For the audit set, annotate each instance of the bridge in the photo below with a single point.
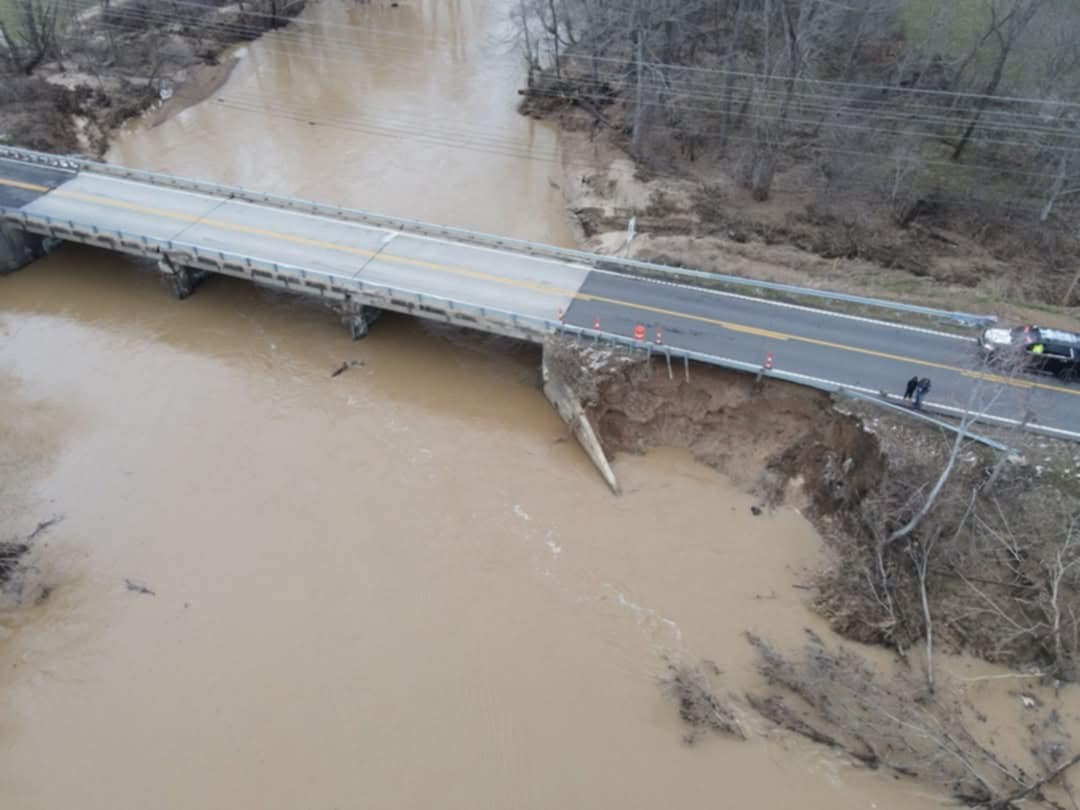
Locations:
(363, 263)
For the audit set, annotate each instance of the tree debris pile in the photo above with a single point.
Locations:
(689, 688)
(992, 566)
(10, 556)
(836, 698)
(13, 565)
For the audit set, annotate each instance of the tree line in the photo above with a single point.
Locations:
(968, 104)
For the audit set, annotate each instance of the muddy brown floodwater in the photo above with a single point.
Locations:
(401, 587)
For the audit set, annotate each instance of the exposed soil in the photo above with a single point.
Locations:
(778, 439)
(859, 473)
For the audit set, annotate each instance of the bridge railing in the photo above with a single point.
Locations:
(460, 235)
(458, 312)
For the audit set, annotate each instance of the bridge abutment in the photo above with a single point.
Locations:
(18, 248)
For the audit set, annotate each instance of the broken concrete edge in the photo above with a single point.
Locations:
(572, 412)
(18, 248)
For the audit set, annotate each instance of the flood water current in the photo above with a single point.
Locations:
(400, 587)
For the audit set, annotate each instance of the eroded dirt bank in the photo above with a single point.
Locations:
(762, 435)
(874, 483)
(932, 545)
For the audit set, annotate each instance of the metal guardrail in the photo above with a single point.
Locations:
(454, 311)
(460, 235)
(907, 411)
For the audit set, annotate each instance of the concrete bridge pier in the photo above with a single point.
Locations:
(18, 248)
(184, 279)
(358, 318)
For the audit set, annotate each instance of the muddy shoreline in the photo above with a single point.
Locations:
(123, 65)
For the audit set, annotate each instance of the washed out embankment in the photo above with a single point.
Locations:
(765, 435)
(933, 545)
(909, 511)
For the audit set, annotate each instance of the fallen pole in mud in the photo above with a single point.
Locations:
(570, 408)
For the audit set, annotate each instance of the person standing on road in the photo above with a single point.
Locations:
(912, 384)
(921, 390)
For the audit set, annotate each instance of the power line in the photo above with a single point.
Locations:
(204, 8)
(467, 140)
(819, 123)
(855, 103)
(726, 72)
(881, 116)
(902, 117)
(498, 146)
(117, 18)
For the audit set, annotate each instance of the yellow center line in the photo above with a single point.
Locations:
(539, 287)
(19, 184)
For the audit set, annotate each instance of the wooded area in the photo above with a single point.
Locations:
(967, 106)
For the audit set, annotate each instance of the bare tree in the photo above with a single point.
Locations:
(34, 36)
(1004, 29)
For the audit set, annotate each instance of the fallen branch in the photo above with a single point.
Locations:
(1012, 799)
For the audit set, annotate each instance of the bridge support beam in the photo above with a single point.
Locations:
(358, 318)
(18, 248)
(184, 279)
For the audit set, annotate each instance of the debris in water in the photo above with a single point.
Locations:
(755, 510)
(346, 366)
(138, 587)
(9, 558)
(521, 513)
(45, 524)
(698, 707)
(11, 552)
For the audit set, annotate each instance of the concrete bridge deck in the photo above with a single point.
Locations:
(364, 262)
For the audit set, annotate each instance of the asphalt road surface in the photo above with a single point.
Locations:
(821, 346)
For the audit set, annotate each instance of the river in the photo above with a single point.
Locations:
(399, 587)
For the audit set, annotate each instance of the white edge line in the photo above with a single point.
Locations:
(1032, 426)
